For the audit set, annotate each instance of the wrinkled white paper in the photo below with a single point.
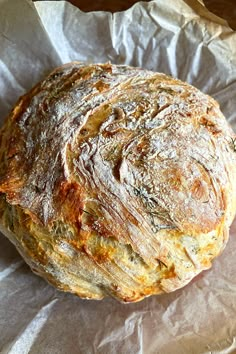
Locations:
(177, 37)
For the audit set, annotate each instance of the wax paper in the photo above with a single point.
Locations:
(176, 37)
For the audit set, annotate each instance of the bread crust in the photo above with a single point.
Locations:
(117, 181)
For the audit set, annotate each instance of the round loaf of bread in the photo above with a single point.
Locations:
(117, 181)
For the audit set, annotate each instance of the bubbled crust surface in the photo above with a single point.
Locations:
(117, 181)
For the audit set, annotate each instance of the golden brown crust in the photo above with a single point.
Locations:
(117, 181)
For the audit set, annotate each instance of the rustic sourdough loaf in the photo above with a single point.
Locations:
(117, 181)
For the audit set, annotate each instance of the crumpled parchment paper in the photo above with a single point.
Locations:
(178, 37)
